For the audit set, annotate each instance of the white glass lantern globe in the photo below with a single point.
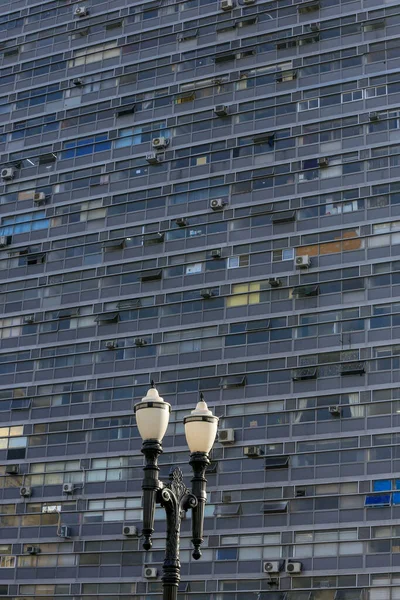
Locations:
(152, 416)
(201, 428)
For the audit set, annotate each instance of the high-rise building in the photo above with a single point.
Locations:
(205, 193)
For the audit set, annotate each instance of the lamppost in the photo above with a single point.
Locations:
(152, 416)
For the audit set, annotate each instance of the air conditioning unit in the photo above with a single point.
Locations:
(68, 488)
(159, 143)
(217, 204)
(226, 4)
(293, 567)
(216, 253)
(78, 81)
(272, 566)
(33, 550)
(152, 158)
(374, 116)
(206, 293)
(314, 27)
(3, 241)
(335, 410)
(111, 345)
(7, 174)
(274, 282)
(252, 451)
(129, 530)
(302, 262)
(221, 110)
(140, 342)
(323, 161)
(150, 573)
(12, 469)
(28, 319)
(65, 531)
(181, 221)
(81, 11)
(226, 436)
(25, 491)
(39, 198)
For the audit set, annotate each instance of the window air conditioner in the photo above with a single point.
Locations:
(140, 342)
(7, 174)
(39, 198)
(181, 221)
(129, 530)
(111, 345)
(152, 158)
(206, 293)
(216, 253)
(302, 262)
(323, 161)
(81, 11)
(226, 4)
(78, 81)
(226, 436)
(374, 116)
(252, 451)
(65, 531)
(272, 566)
(159, 143)
(335, 410)
(274, 282)
(150, 573)
(293, 567)
(3, 241)
(33, 549)
(221, 110)
(25, 491)
(217, 204)
(12, 469)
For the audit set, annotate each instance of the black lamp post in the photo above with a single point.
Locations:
(152, 416)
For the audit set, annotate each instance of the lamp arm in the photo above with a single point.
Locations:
(151, 484)
(199, 462)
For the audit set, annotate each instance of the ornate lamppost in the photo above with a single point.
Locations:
(152, 416)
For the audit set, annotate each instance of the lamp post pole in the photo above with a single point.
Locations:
(152, 415)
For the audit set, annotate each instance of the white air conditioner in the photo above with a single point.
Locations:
(129, 530)
(226, 436)
(252, 451)
(159, 143)
(25, 491)
(217, 204)
(272, 566)
(150, 573)
(111, 345)
(302, 262)
(374, 116)
(3, 241)
(68, 488)
(152, 158)
(33, 549)
(81, 11)
(140, 342)
(335, 410)
(221, 110)
(293, 567)
(323, 161)
(226, 4)
(28, 319)
(65, 531)
(39, 198)
(216, 253)
(7, 174)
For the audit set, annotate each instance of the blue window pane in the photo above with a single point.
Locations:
(84, 150)
(396, 498)
(378, 500)
(397, 484)
(102, 146)
(383, 485)
(227, 554)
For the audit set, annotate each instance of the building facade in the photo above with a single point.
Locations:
(204, 193)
